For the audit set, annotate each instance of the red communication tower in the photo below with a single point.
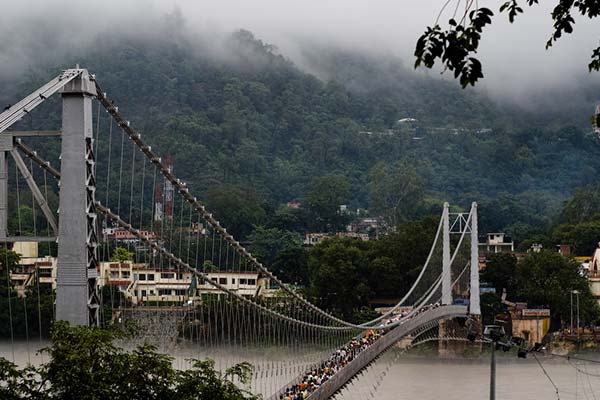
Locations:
(168, 189)
(158, 203)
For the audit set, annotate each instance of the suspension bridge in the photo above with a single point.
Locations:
(190, 279)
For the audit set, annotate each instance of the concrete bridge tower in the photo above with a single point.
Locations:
(76, 293)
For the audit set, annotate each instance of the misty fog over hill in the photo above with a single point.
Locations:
(234, 110)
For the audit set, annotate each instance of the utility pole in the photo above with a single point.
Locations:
(493, 373)
(571, 329)
(493, 334)
(576, 293)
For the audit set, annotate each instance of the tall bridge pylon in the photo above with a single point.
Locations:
(459, 224)
(77, 236)
(76, 292)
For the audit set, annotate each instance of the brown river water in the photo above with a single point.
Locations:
(404, 377)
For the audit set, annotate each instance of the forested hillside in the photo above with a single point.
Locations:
(245, 120)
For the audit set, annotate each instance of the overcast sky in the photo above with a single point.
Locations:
(514, 57)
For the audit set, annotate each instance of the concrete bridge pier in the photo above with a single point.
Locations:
(451, 348)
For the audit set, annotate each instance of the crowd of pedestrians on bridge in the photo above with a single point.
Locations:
(340, 358)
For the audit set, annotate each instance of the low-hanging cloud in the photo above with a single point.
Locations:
(515, 62)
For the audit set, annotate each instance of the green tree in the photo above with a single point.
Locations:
(523, 213)
(18, 384)
(21, 317)
(21, 222)
(39, 300)
(121, 254)
(208, 266)
(290, 219)
(238, 208)
(8, 262)
(291, 266)
(396, 192)
(397, 258)
(338, 275)
(500, 271)
(203, 381)
(386, 277)
(545, 279)
(457, 46)
(490, 306)
(536, 238)
(326, 195)
(583, 205)
(86, 364)
(267, 243)
(584, 236)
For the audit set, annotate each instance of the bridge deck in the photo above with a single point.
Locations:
(327, 389)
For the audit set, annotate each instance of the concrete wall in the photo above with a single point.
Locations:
(26, 249)
(533, 329)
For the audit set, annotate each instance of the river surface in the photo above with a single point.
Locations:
(395, 377)
(459, 379)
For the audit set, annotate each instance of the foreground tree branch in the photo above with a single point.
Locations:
(457, 46)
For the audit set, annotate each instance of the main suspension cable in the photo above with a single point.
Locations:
(184, 191)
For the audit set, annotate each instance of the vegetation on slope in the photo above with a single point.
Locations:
(246, 117)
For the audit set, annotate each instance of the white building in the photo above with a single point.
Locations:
(139, 282)
(312, 239)
(354, 235)
(24, 274)
(497, 243)
(124, 236)
(143, 284)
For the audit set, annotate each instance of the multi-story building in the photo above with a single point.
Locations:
(142, 283)
(139, 282)
(497, 243)
(124, 236)
(354, 235)
(370, 226)
(24, 274)
(364, 225)
(312, 239)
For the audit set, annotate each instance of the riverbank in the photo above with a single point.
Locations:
(481, 351)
